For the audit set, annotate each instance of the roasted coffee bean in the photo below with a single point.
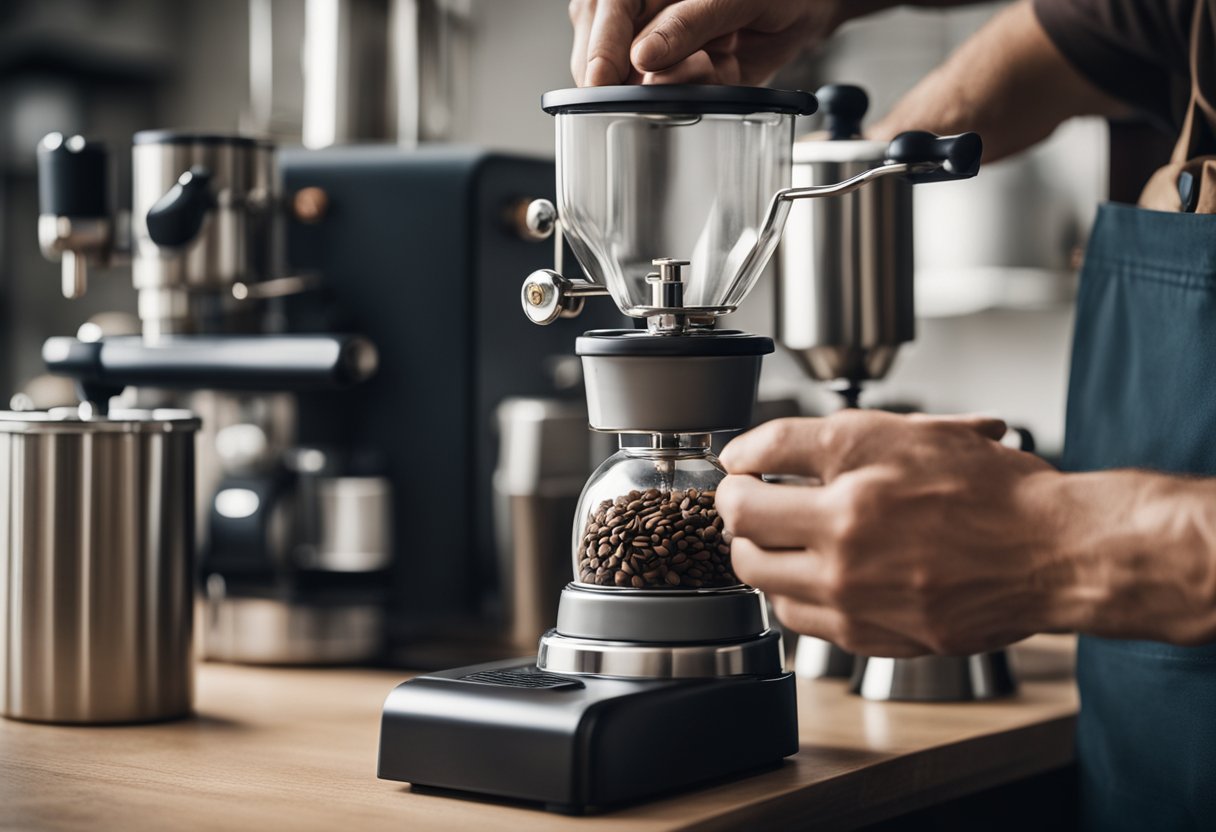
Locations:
(656, 539)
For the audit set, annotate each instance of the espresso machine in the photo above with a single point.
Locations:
(662, 670)
(844, 307)
(340, 448)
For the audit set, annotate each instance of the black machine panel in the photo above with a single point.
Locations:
(416, 252)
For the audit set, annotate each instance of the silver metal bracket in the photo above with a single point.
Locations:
(547, 296)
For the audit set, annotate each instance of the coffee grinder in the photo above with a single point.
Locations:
(662, 670)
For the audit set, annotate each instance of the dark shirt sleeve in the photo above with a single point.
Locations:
(1135, 50)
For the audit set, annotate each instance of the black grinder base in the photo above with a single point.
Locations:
(580, 744)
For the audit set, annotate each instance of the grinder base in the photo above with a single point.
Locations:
(579, 744)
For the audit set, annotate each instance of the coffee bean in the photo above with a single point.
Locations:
(656, 539)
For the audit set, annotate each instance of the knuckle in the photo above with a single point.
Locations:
(726, 495)
(850, 636)
(837, 585)
(577, 8)
(853, 515)
(786, 612)
(742, 560)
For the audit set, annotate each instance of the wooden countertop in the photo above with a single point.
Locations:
(283, 748)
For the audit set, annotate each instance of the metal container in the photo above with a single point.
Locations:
(844, 289)
(934, 678)
(96, 565)
(544, 458)
(214, 196)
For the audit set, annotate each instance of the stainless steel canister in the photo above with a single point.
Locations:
(96, 565)
(544, 459)
(844, 291)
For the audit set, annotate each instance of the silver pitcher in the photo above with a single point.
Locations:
(96, 565)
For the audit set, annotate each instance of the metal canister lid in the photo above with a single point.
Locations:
(70, 420)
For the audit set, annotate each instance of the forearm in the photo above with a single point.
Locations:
(1008, 83)
(1135, 556)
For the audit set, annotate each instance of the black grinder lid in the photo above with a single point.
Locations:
(638, 342)
(678, 98)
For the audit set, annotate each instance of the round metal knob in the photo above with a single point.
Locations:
(540, 219)
(542, 296)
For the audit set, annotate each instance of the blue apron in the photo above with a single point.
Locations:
(1142, 394)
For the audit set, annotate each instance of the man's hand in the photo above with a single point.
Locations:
(697, 41)
(925, 534)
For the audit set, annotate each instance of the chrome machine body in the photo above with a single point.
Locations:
(673, 198)
(275, 294)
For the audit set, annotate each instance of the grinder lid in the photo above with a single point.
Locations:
(638, 342)
(678, 98)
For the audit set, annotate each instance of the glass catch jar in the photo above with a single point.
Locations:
(646, 519)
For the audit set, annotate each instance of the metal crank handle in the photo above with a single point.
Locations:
(547, 296)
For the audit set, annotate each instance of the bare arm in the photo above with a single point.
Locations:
(1008, 82)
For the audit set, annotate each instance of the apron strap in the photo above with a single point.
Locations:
(1195, 152)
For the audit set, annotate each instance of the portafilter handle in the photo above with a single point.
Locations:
(289, 363)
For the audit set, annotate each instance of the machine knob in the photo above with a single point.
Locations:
(178, 216)
(543, 296)
(845, 106)
(547, 296)
(540, 219)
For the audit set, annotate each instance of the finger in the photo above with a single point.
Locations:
(796, 573)
(684, 28)
(829, 624)
(986, 426)
(582, 13)
(697, 68)
(773, 516)
(781, 446)
(612, 31)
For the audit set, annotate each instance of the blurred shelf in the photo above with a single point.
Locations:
(945, 292)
